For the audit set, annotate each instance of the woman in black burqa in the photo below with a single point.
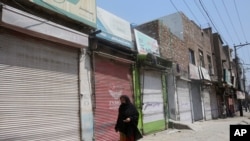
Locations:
(127, 121)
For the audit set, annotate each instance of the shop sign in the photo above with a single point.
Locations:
(146, 44)
(114, 28)
(80, 10)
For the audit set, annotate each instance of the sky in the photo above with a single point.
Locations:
(230, 18)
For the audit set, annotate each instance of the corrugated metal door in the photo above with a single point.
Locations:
(196, 99)
(153, 106)
(184, 101)
(214, 104)
(207, 104)
(38, 90)
(112, 79)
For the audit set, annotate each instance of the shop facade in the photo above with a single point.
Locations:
(112, 56)
(39, 81)
(151, 88)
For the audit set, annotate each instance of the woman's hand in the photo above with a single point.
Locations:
(127, 120)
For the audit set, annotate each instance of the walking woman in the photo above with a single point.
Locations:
(127, 121)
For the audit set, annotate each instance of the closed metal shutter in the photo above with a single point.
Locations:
(112, 79)
(38, 90)
(184, 101)
(196, 101)
(207, 104)
(153, 104)
(214, 104)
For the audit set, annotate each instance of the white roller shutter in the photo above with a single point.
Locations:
(196, 101)
(207, 104)
(184, 101)
(153, 103)
(214, 104)
(39, 97)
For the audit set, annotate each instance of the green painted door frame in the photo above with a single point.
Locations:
(153, 126)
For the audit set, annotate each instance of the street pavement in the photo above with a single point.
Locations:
(212, 130)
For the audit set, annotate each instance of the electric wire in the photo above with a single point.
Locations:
(220, 17)
(174, 6)
(237, 11)
(191, 11)
(204, 16)
(230, 20)
(203, 7)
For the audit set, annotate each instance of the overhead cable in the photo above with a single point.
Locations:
(220, 17)
(230, 20)
(240, 20)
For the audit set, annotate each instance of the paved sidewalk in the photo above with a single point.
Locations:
(213, 130)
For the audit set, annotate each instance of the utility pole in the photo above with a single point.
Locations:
(237, 73)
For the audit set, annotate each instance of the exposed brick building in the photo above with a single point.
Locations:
(185, 43)
(225, 75)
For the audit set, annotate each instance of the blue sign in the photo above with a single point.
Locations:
(113, 28)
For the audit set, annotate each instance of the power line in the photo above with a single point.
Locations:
(174, 6)
(230, 20)
(203, 7)
(240, 20)
(220, 17)
(191, 11)
(204, 16)
(246, 52)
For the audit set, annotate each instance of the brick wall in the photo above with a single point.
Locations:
(175, 49)
(171, 47)
(219, 55)
(197, 39)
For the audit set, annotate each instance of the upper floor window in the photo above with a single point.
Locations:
(210, 67)
(201, 58)
(191, 57)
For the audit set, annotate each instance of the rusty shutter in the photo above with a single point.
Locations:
(112, 79)
(39, 97)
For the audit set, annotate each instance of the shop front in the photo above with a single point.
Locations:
(214, 103)
(184, 100)
(112, 79)
(195, 76)
(112, 58)
(152, 94)
(206, 93)
(151, 79)
(39, 79)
